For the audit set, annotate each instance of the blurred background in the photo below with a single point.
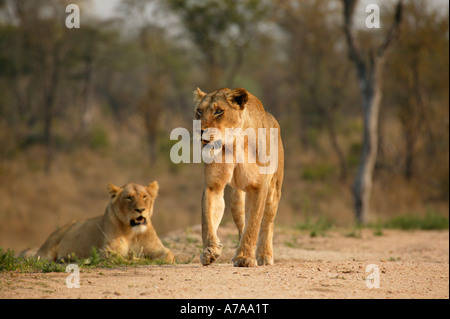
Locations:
(83, 107)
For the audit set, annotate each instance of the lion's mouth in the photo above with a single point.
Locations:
(138, 221)
(216, 144)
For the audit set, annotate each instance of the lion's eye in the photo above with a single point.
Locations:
(145, 197)
(218, 112)
(129, 198)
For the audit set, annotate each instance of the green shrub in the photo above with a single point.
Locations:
(317, 227)
(8, 260)
(431, 221)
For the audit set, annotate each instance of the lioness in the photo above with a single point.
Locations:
(233, 109)
(124, 228)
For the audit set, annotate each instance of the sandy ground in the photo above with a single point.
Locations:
(413, 264)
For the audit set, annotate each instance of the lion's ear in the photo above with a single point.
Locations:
(198, 95)
(238, 97)
(113, 190)
(153, 189)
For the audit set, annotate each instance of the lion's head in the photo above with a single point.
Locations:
(133, 204)
(219, 110)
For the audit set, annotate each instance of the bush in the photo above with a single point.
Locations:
(316, 227)
(9, 262)
(431, 221)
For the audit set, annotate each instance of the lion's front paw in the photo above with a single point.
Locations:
(169, 258)
(265, 260)
(210, 254)
(244, 262)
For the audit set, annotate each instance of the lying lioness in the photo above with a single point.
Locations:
(124, 228)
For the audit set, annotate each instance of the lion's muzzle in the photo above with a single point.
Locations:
(138, 221)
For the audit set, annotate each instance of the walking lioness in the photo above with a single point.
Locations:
(124, 228)
(239, 114)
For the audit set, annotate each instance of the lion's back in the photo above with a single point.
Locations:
(81, 237)
(77, 237)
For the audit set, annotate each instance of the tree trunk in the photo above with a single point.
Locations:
(415, 120)
(153, 117)
(335, 146)
(214, 75)
(410, 140)
(152, 104)
(369, 66)
(48, 131)
(49, 102)
(151, 112)
(362, 187)
(86, 105)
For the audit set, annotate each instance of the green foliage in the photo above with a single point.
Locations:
(221, 30)
(431, 221)
(9, 262)
(316, 227)
(378, 231)
(355, 232)
(292, 242)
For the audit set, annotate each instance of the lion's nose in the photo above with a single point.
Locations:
(139, 210)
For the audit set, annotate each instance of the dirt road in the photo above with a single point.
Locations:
(412, 264)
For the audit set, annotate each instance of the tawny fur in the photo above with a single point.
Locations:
(124, 228)
(238, 108)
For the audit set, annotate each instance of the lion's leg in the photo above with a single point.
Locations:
(237, 204)
(264, 250)
(245, 254)
(213, 206)
(152, 246)
(160, 252)
(118, 246)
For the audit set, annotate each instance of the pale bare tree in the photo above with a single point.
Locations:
(369, 63)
